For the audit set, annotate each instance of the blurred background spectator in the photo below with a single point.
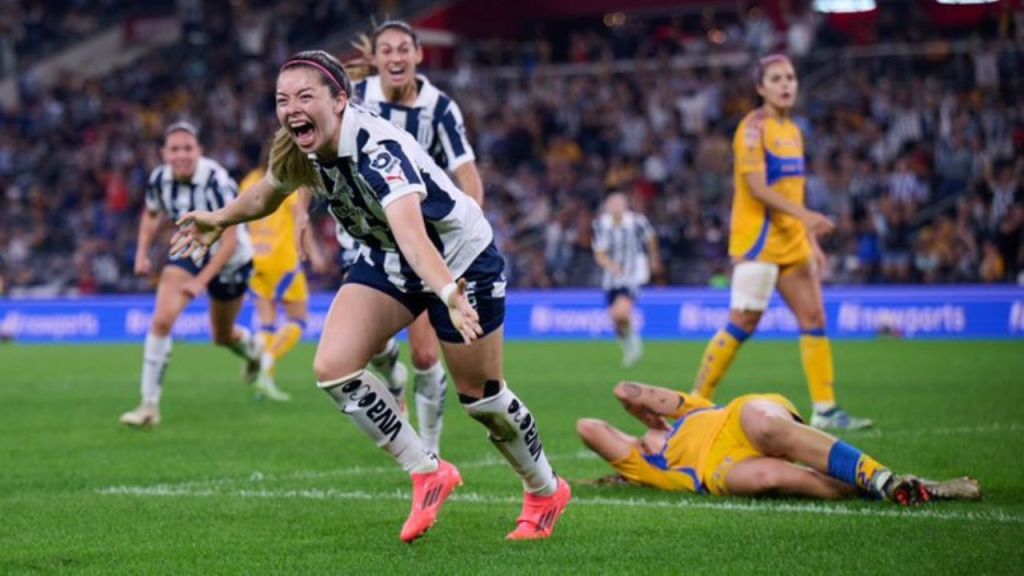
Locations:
(915, 133)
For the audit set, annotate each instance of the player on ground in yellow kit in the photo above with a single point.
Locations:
(755, 445)
(279, 279)
(773, 245)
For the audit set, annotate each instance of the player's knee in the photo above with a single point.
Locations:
(424, 359)
(161, 326)
(813, 319)
(768, 430)
(766, 479)
(746, 320)
(327, 369)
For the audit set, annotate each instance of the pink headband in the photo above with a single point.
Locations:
(318, 67)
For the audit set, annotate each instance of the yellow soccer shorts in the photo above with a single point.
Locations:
(280, 286)
(731, 446)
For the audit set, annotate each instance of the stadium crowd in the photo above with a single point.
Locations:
(920, 159)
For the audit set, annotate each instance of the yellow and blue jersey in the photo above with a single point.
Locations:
(273, 237)
(278, 273)
(774, 147)
(705, 442)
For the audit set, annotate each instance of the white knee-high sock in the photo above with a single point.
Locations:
(155, 356)
(373, 409)
(431, 386)
(513, 430)
(247, 346)
(384, 363)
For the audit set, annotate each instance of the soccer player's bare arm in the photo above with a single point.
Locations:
(405, 219)
(605, 261)
(469, 181)
(649, 404)
(305, 240)
(815, 222)
(148, 227)
(655, 253)
(228, 245)
(197, 231)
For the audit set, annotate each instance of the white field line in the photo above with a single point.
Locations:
(220, 487)
(257, 476)
(763, 506)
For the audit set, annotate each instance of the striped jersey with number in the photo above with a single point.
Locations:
(377, 164)
(434, 120)
(209, 189)
(625, 242)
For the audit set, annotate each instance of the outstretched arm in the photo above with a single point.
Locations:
(649, 404)
(197, 231)
(406, 222)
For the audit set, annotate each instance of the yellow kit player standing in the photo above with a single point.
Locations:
(279, 279)
(773, 244)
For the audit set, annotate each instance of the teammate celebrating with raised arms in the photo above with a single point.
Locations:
(399, 94)
(773, 243)
(189, 181)
(418, 234)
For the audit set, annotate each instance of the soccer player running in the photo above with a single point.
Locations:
(410, 102)
(419, 234)
(756, 445)
(188, 181)
(773, 244)
(626, 248)
(279, 279)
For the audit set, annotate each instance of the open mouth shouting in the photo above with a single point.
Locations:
(396, 75)
(304, 132)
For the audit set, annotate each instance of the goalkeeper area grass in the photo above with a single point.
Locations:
(230, 485)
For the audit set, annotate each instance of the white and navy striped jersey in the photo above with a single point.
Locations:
(626, 245)
(434, 120)
(378, 164)
(210, 188)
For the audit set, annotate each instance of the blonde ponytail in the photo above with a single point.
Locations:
(289, 165)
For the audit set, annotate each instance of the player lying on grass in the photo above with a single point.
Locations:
(755, 445)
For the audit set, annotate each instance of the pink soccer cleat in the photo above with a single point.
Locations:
(537, 521)
(429, 492)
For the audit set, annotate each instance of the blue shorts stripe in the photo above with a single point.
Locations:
(286, 282)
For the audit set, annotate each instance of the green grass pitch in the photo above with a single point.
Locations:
(229, 485)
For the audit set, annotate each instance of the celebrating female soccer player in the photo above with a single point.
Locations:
(418, 234)
(756, 445)
(773, 243)
(189, 181)
(279, 279)
(415, 105)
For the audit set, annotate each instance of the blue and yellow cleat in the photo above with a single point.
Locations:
(836, 418)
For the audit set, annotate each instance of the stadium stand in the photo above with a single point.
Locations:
(917, 146)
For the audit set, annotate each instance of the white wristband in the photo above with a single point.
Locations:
(447, 291)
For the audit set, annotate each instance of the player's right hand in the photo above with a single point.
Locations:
(464, 317)
(818, 224)
(197, 231)
(143, 265)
